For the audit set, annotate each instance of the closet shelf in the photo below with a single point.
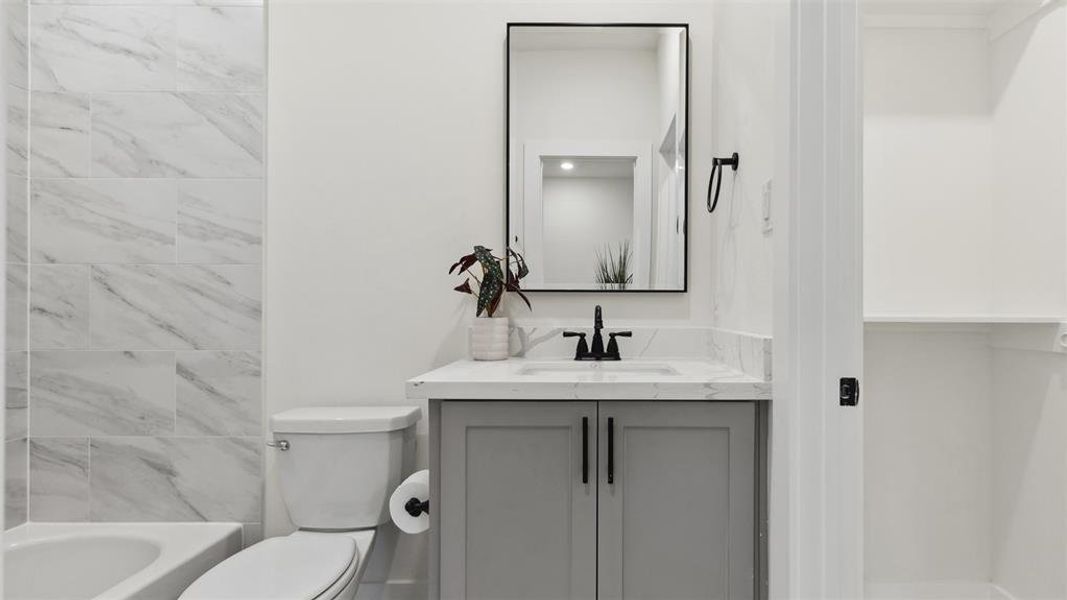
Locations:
(933, 319)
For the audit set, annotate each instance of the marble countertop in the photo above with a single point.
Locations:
(530, 379)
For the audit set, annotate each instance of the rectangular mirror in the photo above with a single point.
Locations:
(597, 151)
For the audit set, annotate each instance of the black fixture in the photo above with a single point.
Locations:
(611, 450)
(850, 391)
(585, 449)
(716, 167)
(582, 350)
(416, 507)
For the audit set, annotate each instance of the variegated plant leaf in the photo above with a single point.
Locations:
(492, 281)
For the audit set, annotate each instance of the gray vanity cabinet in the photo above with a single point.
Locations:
(516, 519)
(676, 510)
(667, 509)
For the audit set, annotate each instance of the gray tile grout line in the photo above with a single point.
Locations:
(29, 241)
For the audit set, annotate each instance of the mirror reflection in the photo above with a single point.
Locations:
(597, 155)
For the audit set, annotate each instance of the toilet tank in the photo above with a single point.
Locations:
(341, 464)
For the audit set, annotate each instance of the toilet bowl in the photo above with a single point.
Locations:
(300, 566)
(336, 469)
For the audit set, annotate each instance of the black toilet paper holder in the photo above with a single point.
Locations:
(416, 507)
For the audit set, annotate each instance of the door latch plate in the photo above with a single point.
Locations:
(850, 391)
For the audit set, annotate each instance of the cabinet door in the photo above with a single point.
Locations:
(516, 519)
(677, 500)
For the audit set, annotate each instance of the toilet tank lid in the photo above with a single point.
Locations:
(344, 419)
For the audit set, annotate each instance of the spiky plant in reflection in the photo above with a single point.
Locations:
(613, 268)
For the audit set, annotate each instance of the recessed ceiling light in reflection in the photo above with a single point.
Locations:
(566, 166)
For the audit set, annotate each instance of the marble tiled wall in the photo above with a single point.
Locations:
(145, 223)
(16, 94)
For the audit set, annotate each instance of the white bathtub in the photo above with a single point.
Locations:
(116, 561)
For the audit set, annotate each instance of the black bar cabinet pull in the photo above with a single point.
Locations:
(585, 449)
(611, 450)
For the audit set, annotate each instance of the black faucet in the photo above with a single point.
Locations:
(583, 352)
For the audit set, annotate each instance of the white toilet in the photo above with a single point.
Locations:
(336, 468)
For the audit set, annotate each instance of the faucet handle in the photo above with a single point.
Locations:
(582, 349)
(613, 346)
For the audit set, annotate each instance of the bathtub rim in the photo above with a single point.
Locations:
(180, 545)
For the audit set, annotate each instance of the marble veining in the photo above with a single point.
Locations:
(59, 128)
(16, 398)
(17, 219)
(506, 380)
(220, 48)
(219, 221)
(151, 2)
(175, 479)
(15, 478)
(17, 304)
(175, 306)
(102, 48)
(747, 353)
(16, 57)
(177, 135)
(108, 221)
(59, 306)
(142, 225)
(76, 393)
(219, 393)
(17, 134)
(59, 479)
(744, 352)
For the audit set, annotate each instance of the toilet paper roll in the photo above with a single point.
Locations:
(415, 486)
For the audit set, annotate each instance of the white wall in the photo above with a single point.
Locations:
(743, 120)
(1029, 524)
(966, 213)
(1029, 93)
(1029, 86)
(928, 454)
(964, 185)
(386, 162)
(928, 172)
(965, 480)
(583, 216)
(611, 94)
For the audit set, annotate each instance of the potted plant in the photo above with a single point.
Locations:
(489, 333)
(613, 270)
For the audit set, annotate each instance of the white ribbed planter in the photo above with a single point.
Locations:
(489, 338)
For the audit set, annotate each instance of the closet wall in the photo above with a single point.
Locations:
(966, 290)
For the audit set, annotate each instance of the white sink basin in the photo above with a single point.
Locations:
(593, 367)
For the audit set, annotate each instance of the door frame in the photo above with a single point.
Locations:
(532, 231)
(816, 464)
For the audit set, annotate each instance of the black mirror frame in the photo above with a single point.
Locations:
(507, 148)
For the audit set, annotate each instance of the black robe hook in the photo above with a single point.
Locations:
(716, 167)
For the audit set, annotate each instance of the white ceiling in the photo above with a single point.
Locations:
(588, 167)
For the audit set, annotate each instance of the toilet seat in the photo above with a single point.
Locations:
(295, 567)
